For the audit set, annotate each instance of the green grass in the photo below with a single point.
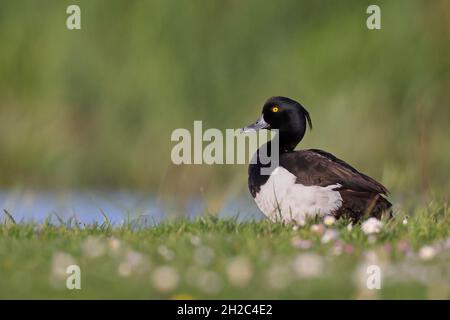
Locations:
(214, 258)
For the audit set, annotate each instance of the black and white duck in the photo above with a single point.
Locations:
(311, 182)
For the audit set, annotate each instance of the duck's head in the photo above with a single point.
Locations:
(286, 115)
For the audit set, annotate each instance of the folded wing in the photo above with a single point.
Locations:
(320, 168)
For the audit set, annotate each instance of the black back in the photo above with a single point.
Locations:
(320, 168)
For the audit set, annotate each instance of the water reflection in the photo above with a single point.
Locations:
(119, 207)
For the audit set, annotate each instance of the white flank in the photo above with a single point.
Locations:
(280, 198)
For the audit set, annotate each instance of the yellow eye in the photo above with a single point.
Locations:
(275, 109)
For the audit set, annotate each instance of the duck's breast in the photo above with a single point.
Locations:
(281, 198)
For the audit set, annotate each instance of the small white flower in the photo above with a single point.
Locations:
(239, 271)
(301, 243)
(60, 262)
(427, 253)
(166, 253)
(371, 226)
(350, 227)
(195, 240)
(329, 220)
(295, 228)
(165, 278)
(133, 262)
(338, 250)
(114, 244)
(134, 258)
(318, 228)
(405, 221)
(329, 235)
(124, 269)
(204, 256)
(209, 282)
(308, 265)
(278, 276)
(93, 247)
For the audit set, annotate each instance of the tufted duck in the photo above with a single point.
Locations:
(312, 182)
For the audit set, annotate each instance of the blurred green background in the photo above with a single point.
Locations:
(95, 108)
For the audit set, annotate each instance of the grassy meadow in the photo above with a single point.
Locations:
(94, 109)
(211, 258)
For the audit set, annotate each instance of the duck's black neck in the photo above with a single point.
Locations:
(288, 142)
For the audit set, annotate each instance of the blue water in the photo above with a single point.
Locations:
(119, 207)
